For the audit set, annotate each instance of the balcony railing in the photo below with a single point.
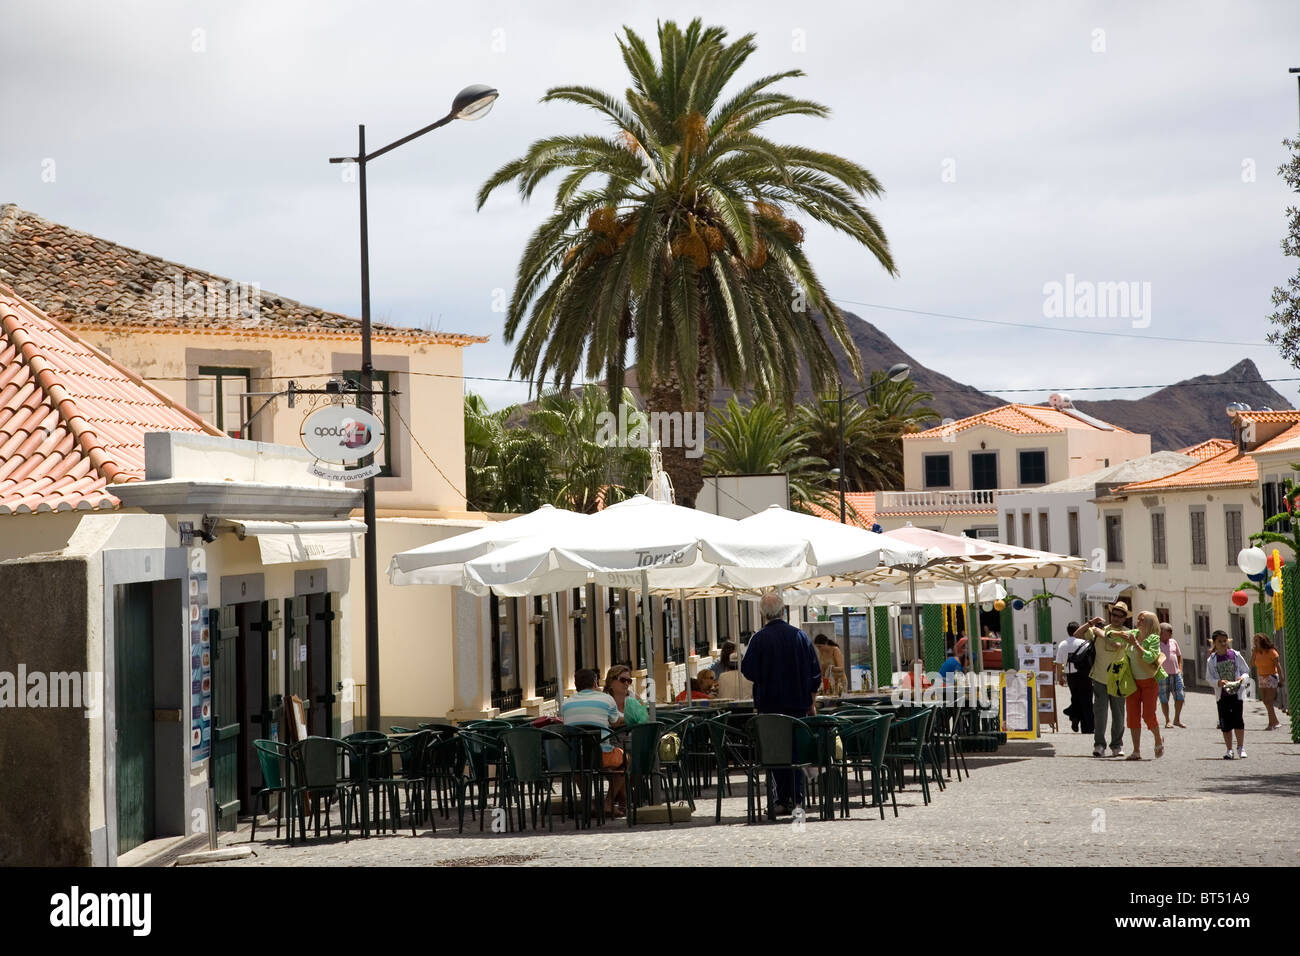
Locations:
(939, 501)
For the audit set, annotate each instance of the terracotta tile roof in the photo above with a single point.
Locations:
(72, 421)
(1284, 416)
(82, 280)
(1203, 451)
(1228, 467)
(1017, 419)
(863, 502)
(1289, 440)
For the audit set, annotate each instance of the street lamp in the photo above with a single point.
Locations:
(471, 103)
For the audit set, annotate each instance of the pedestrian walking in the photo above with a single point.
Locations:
(1070, 674)
(1145, 661)
(1173, 682)
(1264, 656)
(1227, 671)
(1108, 647)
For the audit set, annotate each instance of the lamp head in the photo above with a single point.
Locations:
(473, 102)
(899, 372)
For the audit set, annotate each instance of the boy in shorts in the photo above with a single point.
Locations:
(1228, 671)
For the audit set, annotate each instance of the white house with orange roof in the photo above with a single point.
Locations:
(154, 623)
(953, 472)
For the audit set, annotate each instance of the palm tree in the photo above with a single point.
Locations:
(506, 469)
(869, 442)
(761, 439)
(590, 464)
(679, 239)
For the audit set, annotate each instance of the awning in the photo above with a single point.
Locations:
(293, 542)
(1106, 591)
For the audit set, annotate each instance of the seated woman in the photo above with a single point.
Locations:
(726, 659)
(832, 660)
(618, 684)
(702, 687)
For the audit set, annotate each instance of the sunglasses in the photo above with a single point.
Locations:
(625, 680)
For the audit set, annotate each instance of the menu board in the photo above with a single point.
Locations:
(1018, 715)
(1042, 658)
(200, 659)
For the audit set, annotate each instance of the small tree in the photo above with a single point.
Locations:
(1286, 335)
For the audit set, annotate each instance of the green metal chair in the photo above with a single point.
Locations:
(642, 768)
(273, 758)
(908, 739)
(320, 768)
(865, 741)
(480, 754)
(777, 749)
(528, 778)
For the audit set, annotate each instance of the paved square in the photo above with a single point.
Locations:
(1046, 802)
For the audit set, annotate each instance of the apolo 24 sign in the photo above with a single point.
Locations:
(342, 434)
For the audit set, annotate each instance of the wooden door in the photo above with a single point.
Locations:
(322, 667)
(134, 711)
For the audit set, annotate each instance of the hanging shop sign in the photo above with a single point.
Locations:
(342, 435)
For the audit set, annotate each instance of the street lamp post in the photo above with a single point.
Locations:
(896, 373)
(471, 103)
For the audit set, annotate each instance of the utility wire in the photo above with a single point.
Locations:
(1053, 328)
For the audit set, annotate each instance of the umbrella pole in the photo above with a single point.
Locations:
(648, 639)
(973, 636)
(559, 653)
(916, 628)
(650, 664)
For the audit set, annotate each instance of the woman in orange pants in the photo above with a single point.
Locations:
(1145, 659)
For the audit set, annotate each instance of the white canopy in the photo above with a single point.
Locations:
(840, 549)
(644, 543)
(443, 562)
(293, 542)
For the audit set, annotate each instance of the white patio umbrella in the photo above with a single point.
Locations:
(443, 562)
(648, 544)
(972, 561)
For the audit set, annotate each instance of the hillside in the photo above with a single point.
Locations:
(1175, 417)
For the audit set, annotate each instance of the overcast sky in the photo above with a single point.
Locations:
(1018, 143)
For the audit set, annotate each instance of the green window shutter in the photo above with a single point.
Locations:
(224, 759)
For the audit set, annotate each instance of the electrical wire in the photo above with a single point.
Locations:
(1053, 328)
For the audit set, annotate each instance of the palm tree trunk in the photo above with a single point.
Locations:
(683, 459)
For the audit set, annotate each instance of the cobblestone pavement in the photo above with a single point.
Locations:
(1045, 802)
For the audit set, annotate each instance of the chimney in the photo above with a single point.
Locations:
(1243, 430)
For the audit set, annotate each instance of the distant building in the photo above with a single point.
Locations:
(1173, 543)
(1062, 517)
(953, 472)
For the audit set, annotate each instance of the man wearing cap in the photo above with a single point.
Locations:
(1108, 650)
(787, 674)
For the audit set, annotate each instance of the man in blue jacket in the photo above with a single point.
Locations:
(781, 662)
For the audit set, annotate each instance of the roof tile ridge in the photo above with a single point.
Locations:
(108, 360)
(46, 376)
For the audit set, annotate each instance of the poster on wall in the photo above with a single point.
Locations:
(200, 659)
